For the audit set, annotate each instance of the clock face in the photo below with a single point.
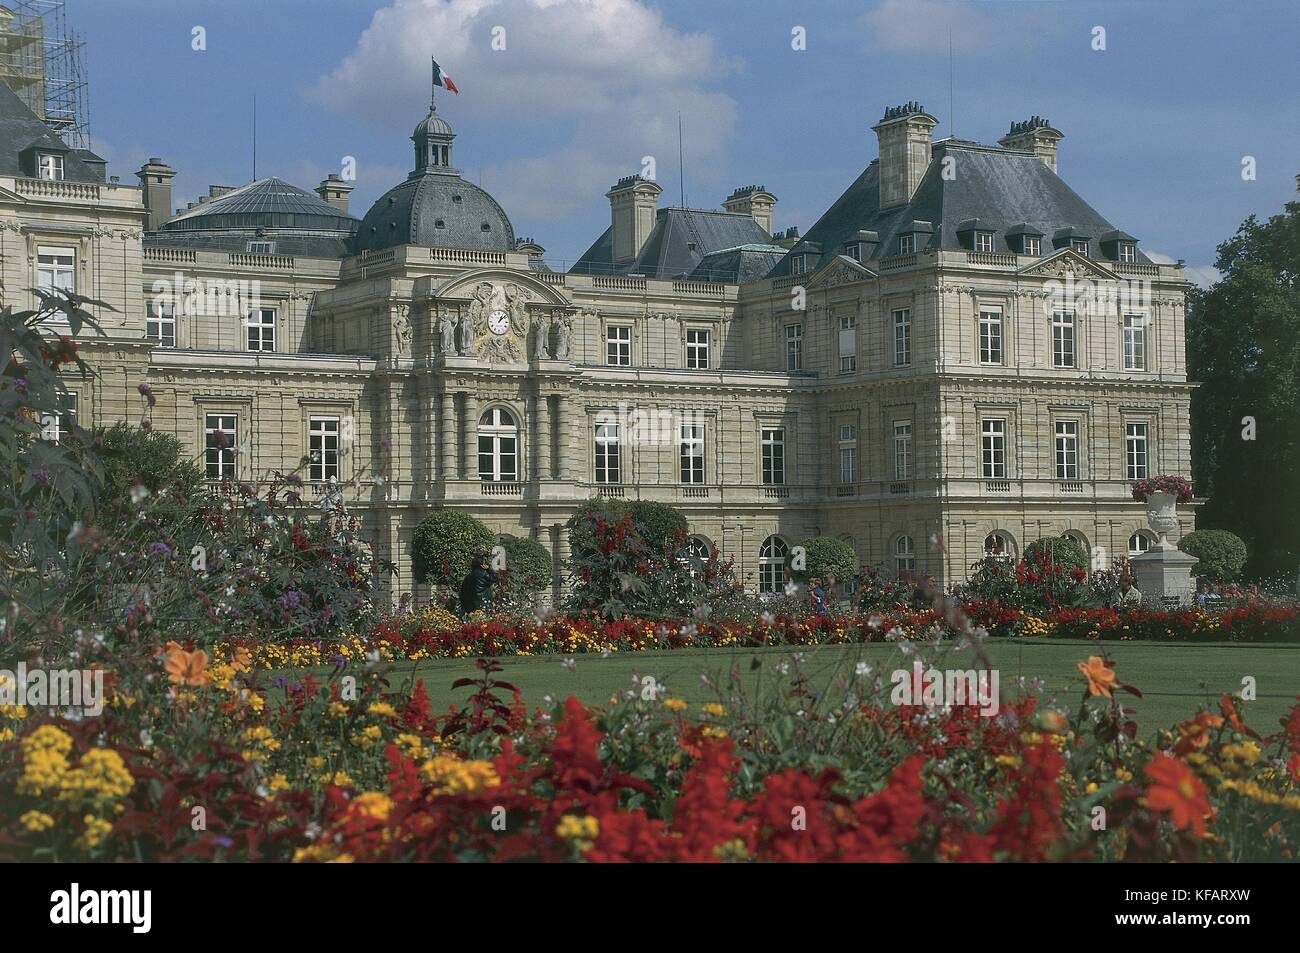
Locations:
(498, 322)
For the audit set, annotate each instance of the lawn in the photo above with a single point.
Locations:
(1174, 677)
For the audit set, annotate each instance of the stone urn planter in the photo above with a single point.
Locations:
(1162, 515)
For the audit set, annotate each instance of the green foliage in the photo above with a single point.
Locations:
(154, 460)
(1061, 550)
(1243, 345)
(445, 543)
(827, 556)
(658, 523)
(1222, 554)
(528, 569)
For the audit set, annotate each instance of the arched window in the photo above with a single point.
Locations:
(771, 564)
(1138, 543)
(696, 550)
(999, 545)
(904, 554)
(498, 446)
(1079, 538)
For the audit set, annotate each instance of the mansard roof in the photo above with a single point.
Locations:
(21, 130)
(678, 243)
(1007, 191)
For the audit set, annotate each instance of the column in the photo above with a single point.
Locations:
(447, 435)
(564, 442)
(560, 558)
(469, 465)
(544, 470)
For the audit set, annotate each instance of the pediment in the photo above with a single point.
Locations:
(841, 270)
(1066, 263)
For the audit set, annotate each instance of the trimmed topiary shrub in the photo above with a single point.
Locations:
(1061, 550)
(1222, 554)
(827, 556)
(444, 544)
(528, 568)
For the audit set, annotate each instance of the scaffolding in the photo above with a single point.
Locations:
(41, 61)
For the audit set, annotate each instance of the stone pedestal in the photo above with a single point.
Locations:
(1164, 576)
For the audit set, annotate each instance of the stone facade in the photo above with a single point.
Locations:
(869, 374)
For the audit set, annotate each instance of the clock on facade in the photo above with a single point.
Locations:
(499, 321)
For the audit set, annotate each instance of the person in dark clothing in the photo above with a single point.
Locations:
(476, 590)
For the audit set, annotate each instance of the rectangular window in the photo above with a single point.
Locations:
(902, 450)
(906, 244)
(261, 248)
(608, 469)
(1067, 450)
(773, 456)
(261, 330)
(51, 166)
(691, 446)
(1127, 252)
(994, 449)
(1135, 342)
(983, 241)
(798, 264)
(220, 440)
(1032, 246)
(1135, 439)
(794, 347)
(1063, 339)
(57, 426)
(853, 250)
(1080, 245)
(697, 348)
(160, 323)
(848, 453)
(618, 346)
(990, 336)
(323, 447)
(903, 337)
(56, 268)
(848, 344)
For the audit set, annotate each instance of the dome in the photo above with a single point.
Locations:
(433, 125)
(269, 203)
(437, 209)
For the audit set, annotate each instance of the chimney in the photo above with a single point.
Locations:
(156, 191)
(335, 191)
(755, 201)
(632, 205)
(905, 138)
(1034, 135)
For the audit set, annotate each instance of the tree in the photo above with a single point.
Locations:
(827, 556)
(445, 543)
(1061, 550)
(528, 569)
(148, 458)
(1222, 554)
(1243, 346)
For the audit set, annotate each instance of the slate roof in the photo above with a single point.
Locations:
(738, 265)
(436, 208)
(267, 203)
(679, 242)
(20, 129)
(1006, 190)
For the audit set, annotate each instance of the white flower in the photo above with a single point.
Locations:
(862, 669)
(138, 493)
(569, 664)
(875, 622)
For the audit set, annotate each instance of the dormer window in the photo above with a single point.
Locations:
(1032, 246)
(50, 166)
(439, 223)
(853, 250)
(261, 248)
(1127, 252)
(457, 199)
(485, 227)
(984, 241)
(798, 264)
(1080, 245)
(906, 244)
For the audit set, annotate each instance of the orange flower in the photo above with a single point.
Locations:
(1099, 675)
(1195, 734)
(1229, 709)
(187, 668)
(1174, 788)
(241, 660)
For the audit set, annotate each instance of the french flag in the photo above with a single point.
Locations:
(442, 79)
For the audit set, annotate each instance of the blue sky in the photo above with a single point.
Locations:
(1156, 125)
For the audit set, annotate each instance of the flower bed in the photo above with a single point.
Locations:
(439, 634)
(191, 762)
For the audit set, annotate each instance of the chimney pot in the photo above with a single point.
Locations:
(905, 137)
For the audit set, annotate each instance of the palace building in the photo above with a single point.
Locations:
(960, 356)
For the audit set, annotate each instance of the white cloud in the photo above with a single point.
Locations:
(921, 26)
(1202, 275)
(583, 90)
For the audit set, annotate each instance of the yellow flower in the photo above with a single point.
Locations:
(36, 821)
(675, 704)
(96, 830)
(278, 782)
(383, 709)
(731, 850)
(714, 709)
(450, 775)
(582, 831)
(321, 853)
(412, 745)
(101, 776)
(338, 708)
